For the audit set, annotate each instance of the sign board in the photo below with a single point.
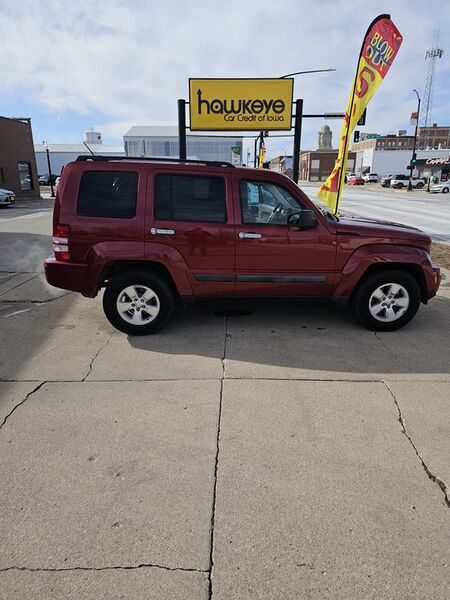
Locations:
(240, 104)
(443, 161)
(414, 118)
(236, 156)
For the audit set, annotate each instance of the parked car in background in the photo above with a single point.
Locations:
(401, 181)
(440, 188)
(355, 180)
(371, 177)
(45, 179)
(385, 181)
(7, 197)
(348, 176)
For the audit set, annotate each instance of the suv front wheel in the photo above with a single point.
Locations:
(138, 302)
(387, 301)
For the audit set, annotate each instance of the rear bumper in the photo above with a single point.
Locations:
(69, 276)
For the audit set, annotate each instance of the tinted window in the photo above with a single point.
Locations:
(190, 198)
(263, 202)
(107, 194)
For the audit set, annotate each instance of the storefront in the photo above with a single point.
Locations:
(437, 168)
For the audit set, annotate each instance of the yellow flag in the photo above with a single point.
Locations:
(262, 155)
(380, 46)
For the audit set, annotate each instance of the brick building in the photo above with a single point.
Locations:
(317, 165)
(17, 161)
(434, 137)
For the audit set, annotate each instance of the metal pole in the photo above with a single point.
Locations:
(256, 150)
(415, 141)
(297, 139)
(50, 172)
(182, 128)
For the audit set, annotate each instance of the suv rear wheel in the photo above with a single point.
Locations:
(387, 301)
(138, 302)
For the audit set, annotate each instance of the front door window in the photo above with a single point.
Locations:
(266, 203)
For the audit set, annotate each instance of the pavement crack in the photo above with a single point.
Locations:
(38, 387)
(396, 358)
(96, 355)
(20, 284)
(434, 478)
(109, 568)
(36, 302)
(216, 464)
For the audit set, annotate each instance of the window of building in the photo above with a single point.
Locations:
(108, 194)
(266, 203)
(2, 175)
(190, 198)
(315, 164)
(132, 148)
(26, 180)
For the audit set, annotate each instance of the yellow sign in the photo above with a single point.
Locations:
(240, 104)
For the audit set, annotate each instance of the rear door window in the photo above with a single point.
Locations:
(110, 194)
(190, 198)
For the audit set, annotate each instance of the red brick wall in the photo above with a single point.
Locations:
(16, 145)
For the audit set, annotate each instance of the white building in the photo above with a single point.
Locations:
(162, 141)
(389, 155)
(61, 154)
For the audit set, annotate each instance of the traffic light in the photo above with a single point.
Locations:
(356, 136)
(362, 120)
(414, 159)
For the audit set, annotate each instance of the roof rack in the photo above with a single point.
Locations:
(210, 163)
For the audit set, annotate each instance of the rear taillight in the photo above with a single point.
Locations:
(61, 242)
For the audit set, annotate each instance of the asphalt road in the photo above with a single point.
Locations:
(430, 212)
(279, 454)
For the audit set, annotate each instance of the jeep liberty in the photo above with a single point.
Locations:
(156, 231)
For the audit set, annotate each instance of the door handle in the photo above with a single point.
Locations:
(249, 235)
(156, 231)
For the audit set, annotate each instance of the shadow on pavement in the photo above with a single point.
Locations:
(286, 339)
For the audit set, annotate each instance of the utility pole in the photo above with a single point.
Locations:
(413, 158)
(50, 176)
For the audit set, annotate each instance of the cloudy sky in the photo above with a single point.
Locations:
(111, 64)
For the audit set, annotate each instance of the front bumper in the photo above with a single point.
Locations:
(8, 200)
(432, 274)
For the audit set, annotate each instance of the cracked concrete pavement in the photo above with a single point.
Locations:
(277, 454)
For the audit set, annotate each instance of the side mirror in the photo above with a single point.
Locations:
(305, 219)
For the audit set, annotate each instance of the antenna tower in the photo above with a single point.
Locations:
(425, 114)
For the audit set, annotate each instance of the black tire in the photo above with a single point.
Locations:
(445, 190)
(419, 186)
(140, 279)
(362, 299)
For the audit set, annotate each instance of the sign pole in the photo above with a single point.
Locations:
(297, 139)
(182, 128)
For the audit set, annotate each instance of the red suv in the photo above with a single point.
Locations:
(152, 231)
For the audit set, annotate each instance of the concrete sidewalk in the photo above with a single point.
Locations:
(278, 454)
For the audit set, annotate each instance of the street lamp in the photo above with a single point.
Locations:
(413, 158)
(261, 135)
(49, 169)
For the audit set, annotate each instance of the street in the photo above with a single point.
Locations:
(419, 208)
(278, 452)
